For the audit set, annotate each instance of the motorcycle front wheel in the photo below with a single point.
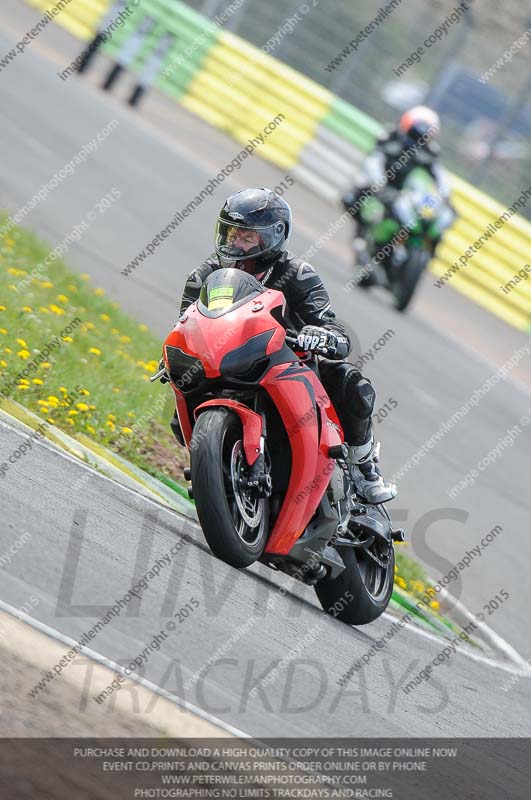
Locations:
(409, 277)
(233, 519)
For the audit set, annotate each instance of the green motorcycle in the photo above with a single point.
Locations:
(397, 235)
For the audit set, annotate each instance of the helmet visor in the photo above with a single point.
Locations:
(241, 242)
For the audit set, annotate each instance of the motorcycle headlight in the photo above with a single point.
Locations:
(186, 371)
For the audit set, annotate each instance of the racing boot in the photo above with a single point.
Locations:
(365, 474)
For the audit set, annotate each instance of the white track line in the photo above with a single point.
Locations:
(523, 667)
(107, 662)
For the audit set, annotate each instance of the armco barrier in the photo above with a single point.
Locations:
(239, 88)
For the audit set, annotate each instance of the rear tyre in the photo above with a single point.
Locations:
(361, 593)
(234, 522)
(409, 277)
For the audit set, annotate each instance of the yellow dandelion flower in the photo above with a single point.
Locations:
(21, 342)
(115, 331)
(92, 408)
(111, 417)
(110, 425)
(143, 328)
(16, 272)
(72, 287)
(82, 406)
(95, 351)
(42, 403)
(99, 292)
(51, 421)
(115, 390)
(84, 392)
(24, 380)
(24, 354)
(3, 331)
(62, 298)
(69, 421)
(67, 339)
(401, 582)
(90, 429)
(63, 389)
(105, 317)
(44, 309)
(435, 605)
(57, 309)
(7, 349)
(46, 365)
(89, 326)
(47, 284)
(23, 387)
(125, 339)
(27, 309)
(73, 413)
(3, 308)
(53, 400)
(84, 276)
(3, 363)
(131, 414)
(37, 381)
(126, 430)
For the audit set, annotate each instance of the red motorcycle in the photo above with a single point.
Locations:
(267, 456)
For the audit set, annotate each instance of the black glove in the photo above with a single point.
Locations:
(322, 341)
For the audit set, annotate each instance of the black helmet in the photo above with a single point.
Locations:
(258, 210)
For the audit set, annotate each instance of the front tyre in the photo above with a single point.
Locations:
(233, 519)
(409, 277)
(361, 593)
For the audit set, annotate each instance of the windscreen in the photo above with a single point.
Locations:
(225, 288)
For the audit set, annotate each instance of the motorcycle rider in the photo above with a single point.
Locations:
(252, 233)
(397, 153)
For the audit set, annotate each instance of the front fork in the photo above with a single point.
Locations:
(259, 474)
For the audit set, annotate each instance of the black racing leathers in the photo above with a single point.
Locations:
(308, 303)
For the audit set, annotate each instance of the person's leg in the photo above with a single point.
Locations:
(114, 73)
(88, 54)
(353, 397)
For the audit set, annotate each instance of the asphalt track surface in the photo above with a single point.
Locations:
(439, 354)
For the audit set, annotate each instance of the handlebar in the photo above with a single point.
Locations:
(158, 376)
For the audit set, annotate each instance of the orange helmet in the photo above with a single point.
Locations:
(419, 122)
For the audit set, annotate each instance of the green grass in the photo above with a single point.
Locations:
(97, 382)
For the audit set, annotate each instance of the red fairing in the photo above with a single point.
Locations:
(210, 339)
(300, 396)
(294, 388)
(182, 413)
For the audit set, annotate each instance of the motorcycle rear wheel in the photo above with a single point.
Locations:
(234, 522)
(367, 584)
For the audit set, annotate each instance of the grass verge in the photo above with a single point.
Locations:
(68, 353)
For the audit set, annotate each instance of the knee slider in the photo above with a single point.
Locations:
(361, 394)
